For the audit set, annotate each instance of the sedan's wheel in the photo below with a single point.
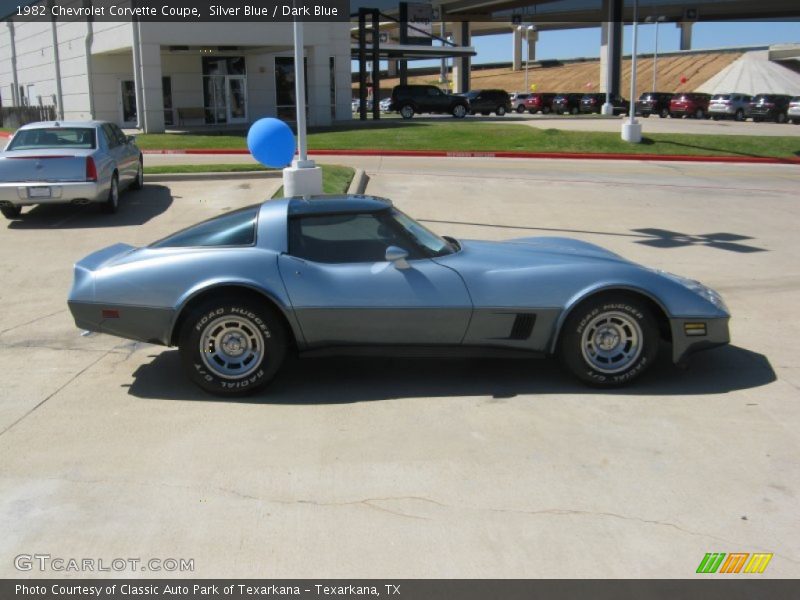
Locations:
(501, 111)
(232, 347)
(11, 212)
(459, 111)
(610, 340)
(546, 110)
(112, 204)
(664, 113)
(138, 181)
(406, 111)
(520, 109)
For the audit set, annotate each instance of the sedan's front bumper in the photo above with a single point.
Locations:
(34, 192)
(690, 335)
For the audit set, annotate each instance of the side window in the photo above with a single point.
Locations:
(237, 228)
(122, 139)
(348, 238)
(111, 138)
(432, 91)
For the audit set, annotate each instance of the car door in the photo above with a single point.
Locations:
(344, 292)
(129, 154)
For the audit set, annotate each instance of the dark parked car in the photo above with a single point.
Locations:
(654, 103)
(488, 101)
(411, 99)
(593, 103)
(736, 106)
(770, 107)
(567, 103)
(689, 105)
(539, 102)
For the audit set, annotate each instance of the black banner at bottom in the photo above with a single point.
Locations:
(399, 589)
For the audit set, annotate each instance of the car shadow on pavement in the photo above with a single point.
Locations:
(136, 207)
(344, 380)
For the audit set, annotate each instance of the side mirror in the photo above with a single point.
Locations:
(397, 256)
(131, 139)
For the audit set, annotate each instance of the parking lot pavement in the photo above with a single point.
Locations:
(412, 468)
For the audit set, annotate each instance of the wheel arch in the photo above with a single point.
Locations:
(656, 307)
(257, 294)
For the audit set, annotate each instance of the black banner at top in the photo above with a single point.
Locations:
(183, 11)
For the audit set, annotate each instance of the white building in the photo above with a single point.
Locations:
(153, 75)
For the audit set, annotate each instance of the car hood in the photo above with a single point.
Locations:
(535, 251)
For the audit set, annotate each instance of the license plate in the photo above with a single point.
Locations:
(38, 192)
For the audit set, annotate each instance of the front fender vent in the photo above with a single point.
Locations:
(522, 327)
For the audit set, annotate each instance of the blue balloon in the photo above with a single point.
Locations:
(271, 142)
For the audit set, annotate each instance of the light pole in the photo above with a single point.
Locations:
(656, 20)
(527, 29)
(632, 130)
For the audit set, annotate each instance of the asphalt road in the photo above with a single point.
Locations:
(408, 468)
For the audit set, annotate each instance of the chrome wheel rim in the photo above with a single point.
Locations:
(232, 347)
(459, 111)
(407, 112)
(611, 342)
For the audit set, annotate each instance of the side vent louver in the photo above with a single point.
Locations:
(523, 326)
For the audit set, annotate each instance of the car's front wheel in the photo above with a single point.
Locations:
(520, 108)
(138, 181)
(501, 111)
(406, 111)
(609, 340)
(459, 111)
(112, 202)
(664, 113)
(11, 212)
(232, 347)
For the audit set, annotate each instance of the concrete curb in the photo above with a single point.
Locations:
(160, 177)
(502, 154)
(359, 183)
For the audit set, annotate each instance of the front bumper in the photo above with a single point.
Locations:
(715, 333)
(23, 194)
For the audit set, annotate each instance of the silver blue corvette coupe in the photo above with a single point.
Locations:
(352, 274)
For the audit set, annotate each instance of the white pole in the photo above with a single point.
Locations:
(655, 58)
(527, 55)
(632, 111)
(300, 94)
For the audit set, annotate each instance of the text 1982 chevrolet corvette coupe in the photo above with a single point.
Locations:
(352, 273)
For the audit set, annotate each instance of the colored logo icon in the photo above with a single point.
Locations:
(733, 563)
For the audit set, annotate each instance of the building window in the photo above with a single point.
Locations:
(224, 89)
(166, 91)
(332, 67)
(128, 91)
(284, 86)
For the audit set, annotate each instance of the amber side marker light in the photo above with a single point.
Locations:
(694, 328)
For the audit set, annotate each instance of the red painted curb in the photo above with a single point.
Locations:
(503, 154)
(4, 134)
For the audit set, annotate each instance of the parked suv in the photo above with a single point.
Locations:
(770, 107)
(794, 110)
(518, 101)
(488, 101)
(570, 103)
(689, 105)
(593, 103)
(654, 103)
(736, 106)
(539, 102)
(411, 99)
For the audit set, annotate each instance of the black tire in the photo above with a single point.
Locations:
(459, 111)
(589, 326)
(138, 181)
(574, 110)
(11, 212)
(521, 109)
(501, 111)
(739, 116)
(546, 110)
(796, 121)
(780, 117)
(664, 113)
(112, 203)
(252, 328)
(699, 114)
(406, 111)
(646, 115)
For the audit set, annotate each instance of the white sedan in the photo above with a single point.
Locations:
(67, 162)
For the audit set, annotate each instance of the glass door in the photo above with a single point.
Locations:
(236, 98)
(128, 90)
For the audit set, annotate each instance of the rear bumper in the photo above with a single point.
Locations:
(722, 110)
(21, 194)
(141, 323)
(716, 334)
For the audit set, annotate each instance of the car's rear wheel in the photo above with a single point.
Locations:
(609, 340)
(664, 113)
(138, 181)
(501, 111)
(521, 109)
(406, 111)
(112, 203)
(232, 347)
(459, 111)
(11, 212)
(699, 114)
(546, 110)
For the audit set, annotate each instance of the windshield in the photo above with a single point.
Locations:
(471, 95)
(53, 138)
(423, 236)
